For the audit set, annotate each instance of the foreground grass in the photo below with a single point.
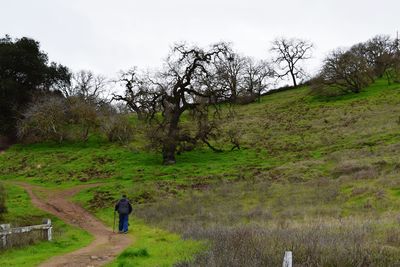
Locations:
(152, 246)
(21, 212)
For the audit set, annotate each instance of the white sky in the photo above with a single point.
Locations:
(109, 36)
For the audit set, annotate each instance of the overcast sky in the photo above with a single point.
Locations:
(109, 36)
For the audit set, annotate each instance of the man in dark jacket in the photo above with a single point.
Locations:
(124, 208)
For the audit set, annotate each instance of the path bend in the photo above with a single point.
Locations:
(106, 244)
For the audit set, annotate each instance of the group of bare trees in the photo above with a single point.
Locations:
(351, 70)
(243, 77)
(196, 81)
(193, 81)
(74, 114)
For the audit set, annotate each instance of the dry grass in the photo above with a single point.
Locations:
(24, 239)
(348, 242)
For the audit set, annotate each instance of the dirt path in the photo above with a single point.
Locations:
(103, 249)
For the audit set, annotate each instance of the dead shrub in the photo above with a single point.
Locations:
(355, 170)
(393, 237)
(117, 128)
(359, 191)
(46, 119)
(259, 213)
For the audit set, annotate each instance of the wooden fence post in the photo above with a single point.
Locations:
(49, 229)
(5, 228)
(287, 259)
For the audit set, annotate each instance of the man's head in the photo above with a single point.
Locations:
(123, 196)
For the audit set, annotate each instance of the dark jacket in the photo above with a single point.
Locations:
(123, 206)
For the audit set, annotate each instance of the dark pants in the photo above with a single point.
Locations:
(123, 222)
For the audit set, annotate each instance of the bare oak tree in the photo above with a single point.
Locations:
(257, 76)
(140, 94)
(45, 119)
(346, 71)
(86, 85)
(183, 85)
(243, 77)
(289, 53)
(230, 72)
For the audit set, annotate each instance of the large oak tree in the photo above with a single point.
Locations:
(25, 73)
(185, 84)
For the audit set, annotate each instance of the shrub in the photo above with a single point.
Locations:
(117, 128)
(45, 119)
(343, 71)
(83, 113)
(132, 253)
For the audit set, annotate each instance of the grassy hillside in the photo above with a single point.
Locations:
(316, 176)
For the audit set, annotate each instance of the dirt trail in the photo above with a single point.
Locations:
(103, 249)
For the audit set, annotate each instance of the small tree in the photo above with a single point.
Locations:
(85, 96)
(257, 76)
(379, 52)
(229, 74)
(87, 86)
(346, 71)
(117, 128)
(45, 119)
(289, 54)
(83, 114)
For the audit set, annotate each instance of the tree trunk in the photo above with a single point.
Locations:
(168, 153)
(170, 142)
(294, 79)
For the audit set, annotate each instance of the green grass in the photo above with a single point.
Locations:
(152, 246)
(21, 212)
(302, 158)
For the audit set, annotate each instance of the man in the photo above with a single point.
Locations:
(124, 208)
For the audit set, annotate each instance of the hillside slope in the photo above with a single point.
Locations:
(317, 176)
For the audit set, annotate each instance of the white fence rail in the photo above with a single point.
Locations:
(6, 232)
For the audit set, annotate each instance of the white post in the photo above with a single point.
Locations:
(49, 230)
(49, 234)
(5, 228)
(287, 260)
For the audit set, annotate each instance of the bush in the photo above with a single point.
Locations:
(349, 71)
(343, 71)
(117, 128)
(44, 120)
(84, 114)
(132, 253)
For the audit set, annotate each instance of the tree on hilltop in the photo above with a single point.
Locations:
(289, 54)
